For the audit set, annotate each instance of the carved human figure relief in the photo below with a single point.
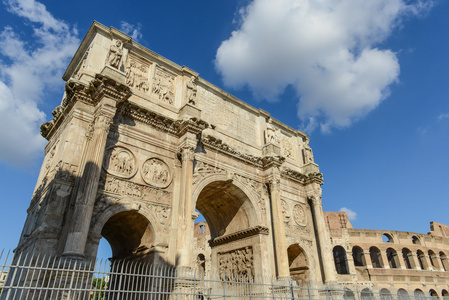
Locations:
(307, 152)
(237, 263)
(299, 215)
(191, 90)
(137, 75)
(156, 172)
(285, 211)
(271, 135)
(163, 86)
(287, 148)
(115, 54)
(120, 162)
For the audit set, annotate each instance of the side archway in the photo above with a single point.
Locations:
(298, 263)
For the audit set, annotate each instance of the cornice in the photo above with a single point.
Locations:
(219, 145)
(302, 178)
(239, 235)
(101, 86)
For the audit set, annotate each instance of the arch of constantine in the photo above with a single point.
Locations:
(139, 144)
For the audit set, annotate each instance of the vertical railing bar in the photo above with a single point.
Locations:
(24, 267)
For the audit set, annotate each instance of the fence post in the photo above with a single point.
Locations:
(291, 289)
(308, 290)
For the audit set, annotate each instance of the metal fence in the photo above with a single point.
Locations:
(42, 277)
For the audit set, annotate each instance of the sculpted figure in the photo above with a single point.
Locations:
(308, 155)
(271, 134)
(115, 54)
(191, 90)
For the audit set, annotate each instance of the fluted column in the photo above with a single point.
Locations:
(280, 240)
(324, 239)
(185, 218)
(88, 184)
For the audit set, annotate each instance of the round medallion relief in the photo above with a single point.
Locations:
(120, 162)
(156, 172)
(299, 215)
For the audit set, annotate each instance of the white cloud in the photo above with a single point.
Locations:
(352, 215)
(28, 68)
(443, 116)
(131, 30)
(325, 49)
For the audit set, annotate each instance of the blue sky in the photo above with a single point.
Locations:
(368, 80)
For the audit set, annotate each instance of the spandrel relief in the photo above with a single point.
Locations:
(156, 172)
(164, 86)
(120, 162)
(236, 264)
(137, 75)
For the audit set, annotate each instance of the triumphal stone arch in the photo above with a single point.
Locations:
(139, 144)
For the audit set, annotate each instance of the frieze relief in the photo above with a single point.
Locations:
(295, 230)
(120, 162)
(164, 86)
(137, 75)
(118, 186)
(236, 264)
(156, 172)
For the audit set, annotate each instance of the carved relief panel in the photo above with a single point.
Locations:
(120, 162)
(287, 149)
(137, 74)
(237, 263)
(156, 172)
(164, 86)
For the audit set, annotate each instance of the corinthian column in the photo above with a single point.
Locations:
(280, 241)
(323, 239)
(107, 93)
(88, 185)
(185, 217)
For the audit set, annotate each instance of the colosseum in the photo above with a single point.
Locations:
(140, 145)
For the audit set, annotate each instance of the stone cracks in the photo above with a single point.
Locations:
(239, 235)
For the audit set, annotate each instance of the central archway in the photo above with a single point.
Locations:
(234, 226)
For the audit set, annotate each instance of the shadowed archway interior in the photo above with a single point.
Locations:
(225, 207)
(128, 232)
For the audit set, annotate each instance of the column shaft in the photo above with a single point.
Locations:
(280, 241)
(88, 183)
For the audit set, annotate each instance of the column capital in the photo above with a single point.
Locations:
(186, 152)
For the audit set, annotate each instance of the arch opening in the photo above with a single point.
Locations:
(444, 261)
(376, 258)
(340, 260)
(129, 234)
(419, 294)
(407, 255)
(226, 208)
(403, 295)
(358, 256)
(392, 257)
(298, 264)
(421, 260)
(385, 294)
